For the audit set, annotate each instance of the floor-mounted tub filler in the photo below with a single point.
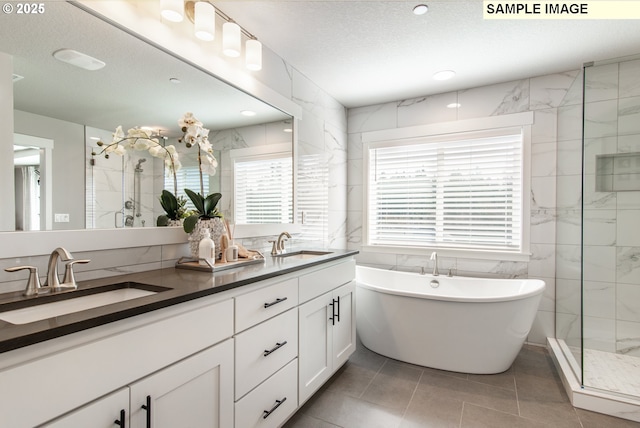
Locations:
(460, 324)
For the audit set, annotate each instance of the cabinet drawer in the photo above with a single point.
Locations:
(323, 280)
(258, 408)
(257, 306)
(277, 338)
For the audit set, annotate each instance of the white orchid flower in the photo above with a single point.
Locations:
(157, 151)
(118, 135)
(140, 144)
(188, 120)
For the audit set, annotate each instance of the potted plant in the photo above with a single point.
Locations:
(205, 209)
(175, 209)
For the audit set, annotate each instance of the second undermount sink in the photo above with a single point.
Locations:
(302, 254)
(50, 306)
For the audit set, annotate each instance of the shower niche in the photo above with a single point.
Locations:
(618, 172)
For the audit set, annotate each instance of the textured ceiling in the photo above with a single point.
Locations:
(368, 52)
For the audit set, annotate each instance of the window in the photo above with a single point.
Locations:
(263, 189)
(461, 190)
(187, 177)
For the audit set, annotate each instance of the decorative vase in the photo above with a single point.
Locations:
(217, 230)
(174, 223)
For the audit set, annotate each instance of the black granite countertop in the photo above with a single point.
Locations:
(183, 285)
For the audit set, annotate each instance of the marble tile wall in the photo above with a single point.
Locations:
(544, 95)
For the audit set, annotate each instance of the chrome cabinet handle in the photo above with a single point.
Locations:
(268, 412)
(275, 348)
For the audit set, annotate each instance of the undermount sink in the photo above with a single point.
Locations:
(303, 254)
(53, 305)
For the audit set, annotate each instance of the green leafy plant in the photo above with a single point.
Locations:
(205, 208)
(175, 208)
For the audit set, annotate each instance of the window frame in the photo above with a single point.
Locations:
(445, 130)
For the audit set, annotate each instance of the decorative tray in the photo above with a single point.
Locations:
(191, 263)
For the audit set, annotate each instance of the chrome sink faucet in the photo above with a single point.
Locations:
(434, 256)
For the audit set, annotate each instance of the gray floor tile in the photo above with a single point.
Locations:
(501, 380)
(301, 420)
(429, 411)
(479, 417)
(349, 412)
(476, 393)
(393, 386)
(351, 380)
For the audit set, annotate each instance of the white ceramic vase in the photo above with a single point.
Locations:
(216, 228)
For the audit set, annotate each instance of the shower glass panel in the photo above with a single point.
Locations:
(610, 223)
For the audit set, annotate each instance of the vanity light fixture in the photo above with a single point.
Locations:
(78, 59)
(203, 14)
(454, 105)
(204, 20)
(172, 10)
(253, 55)
(420, 9)
(231, 43)
(248, 113)
(444, 75)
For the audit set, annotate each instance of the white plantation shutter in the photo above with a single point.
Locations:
(465, 192)
(263, 189)
(313, 196)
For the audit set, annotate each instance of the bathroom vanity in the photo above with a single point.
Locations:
(244, 348)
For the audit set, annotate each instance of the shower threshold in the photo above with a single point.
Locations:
(593, 399)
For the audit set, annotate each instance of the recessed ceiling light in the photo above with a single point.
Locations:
(444, 75)
(420, 9)
(454, 105)
(78, 59)
(248, 113)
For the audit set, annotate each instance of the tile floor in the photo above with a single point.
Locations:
(372, 391)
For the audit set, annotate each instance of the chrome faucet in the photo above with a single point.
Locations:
(434, 256)
(53, 281)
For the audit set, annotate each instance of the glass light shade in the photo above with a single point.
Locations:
(172, 10)
(231, 42)
(253, 55)
(205, 20)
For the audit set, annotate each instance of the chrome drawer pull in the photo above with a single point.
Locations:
(275, 302)
(268, 412)
(275, 348)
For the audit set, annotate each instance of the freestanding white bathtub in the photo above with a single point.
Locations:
(468, 325)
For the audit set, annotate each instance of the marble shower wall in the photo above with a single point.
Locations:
(611, 235)
(544, 96)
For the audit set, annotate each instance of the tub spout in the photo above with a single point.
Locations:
(434, 257)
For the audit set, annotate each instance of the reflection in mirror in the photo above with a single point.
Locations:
(32, 181)
(139, 86)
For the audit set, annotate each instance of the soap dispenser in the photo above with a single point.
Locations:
(206, 250)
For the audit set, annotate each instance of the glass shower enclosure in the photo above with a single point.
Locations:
(598, 229)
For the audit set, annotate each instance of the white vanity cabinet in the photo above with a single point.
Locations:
(194, 392)
(327, 328)
(108, 412)
(266, 355)
(244, 358)
(79, 370)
